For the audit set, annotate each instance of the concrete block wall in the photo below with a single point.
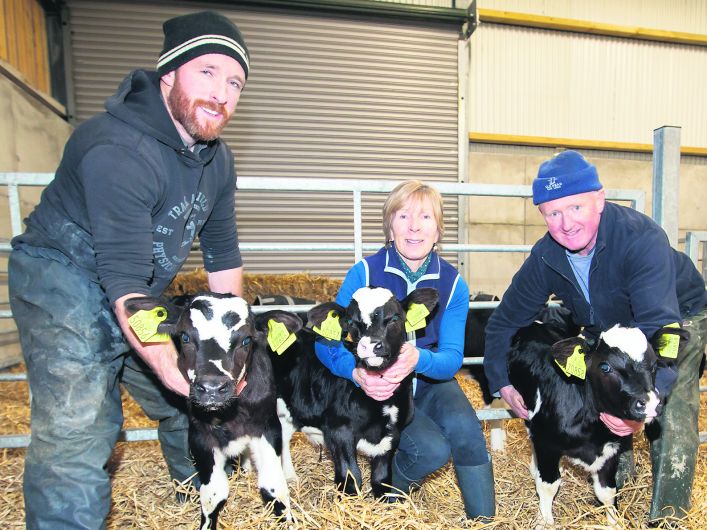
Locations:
(491, 220)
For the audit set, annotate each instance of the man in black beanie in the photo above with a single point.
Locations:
(136, 185)
(611, 265)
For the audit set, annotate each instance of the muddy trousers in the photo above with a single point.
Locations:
(76, 358)
(674, 450)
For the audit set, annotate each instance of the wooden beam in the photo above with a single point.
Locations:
(587, 26)
(546, 141)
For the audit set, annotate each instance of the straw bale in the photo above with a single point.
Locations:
(143, 497)
(302, 285)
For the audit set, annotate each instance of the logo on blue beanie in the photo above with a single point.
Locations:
(568, 173)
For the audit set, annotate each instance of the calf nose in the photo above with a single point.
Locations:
(212, 389)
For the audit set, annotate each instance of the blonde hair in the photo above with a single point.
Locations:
(419, 191)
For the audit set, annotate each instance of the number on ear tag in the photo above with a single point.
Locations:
(330, 328)
(144, 323)
(671, 343)
(575, 365)
(279, 337)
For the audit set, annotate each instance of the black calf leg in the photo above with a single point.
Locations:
(382, 474)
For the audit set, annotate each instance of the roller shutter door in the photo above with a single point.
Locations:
(329, 96)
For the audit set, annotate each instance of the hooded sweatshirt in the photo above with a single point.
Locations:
(128, 198)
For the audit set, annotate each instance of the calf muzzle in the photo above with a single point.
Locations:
(212, 392)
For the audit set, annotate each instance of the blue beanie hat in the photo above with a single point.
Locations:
(568, 173)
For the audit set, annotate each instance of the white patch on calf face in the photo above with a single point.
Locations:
(192, 375)
(216, 490)
(365, 348)
(219, 365)
(632, 341)
(369, 300)
(214, 328)
(652, 406)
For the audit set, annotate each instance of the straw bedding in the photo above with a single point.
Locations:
(143, 497)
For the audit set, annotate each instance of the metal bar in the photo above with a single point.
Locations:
(666, 180)
(13, 198)
(358, 227)
(352, 247)
(692, 240)
(495, 414)
(16, 441)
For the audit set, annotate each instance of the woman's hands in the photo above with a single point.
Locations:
(382, 385)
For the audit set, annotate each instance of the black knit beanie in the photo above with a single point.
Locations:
(190, 36)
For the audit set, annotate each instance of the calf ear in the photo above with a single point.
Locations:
(670, 340)
(292, 322)
(325, 319)
(569, 356)
(148, 303)
(426, 296)
(279, 327)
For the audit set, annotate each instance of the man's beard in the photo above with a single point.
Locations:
(185, 110)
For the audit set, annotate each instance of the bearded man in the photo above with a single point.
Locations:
(136, 185)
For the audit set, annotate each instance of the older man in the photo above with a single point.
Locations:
(136, 185)
(611, 265)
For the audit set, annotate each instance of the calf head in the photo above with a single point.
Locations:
(373, 324)
(619, 371)
(215, 336)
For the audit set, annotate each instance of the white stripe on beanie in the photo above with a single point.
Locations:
(201, 41)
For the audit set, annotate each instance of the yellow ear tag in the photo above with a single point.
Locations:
(415, 317)
(279, 337)
(330, 329)
(575, 364)
(671, 343)
(144, 324)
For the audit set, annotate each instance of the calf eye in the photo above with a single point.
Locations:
(395, 318)
(247, 341)
(185, 338)
(604, 367)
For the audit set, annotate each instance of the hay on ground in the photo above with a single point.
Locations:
(143, 497)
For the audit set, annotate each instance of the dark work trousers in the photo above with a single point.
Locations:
(444, 425)
(674, 452)
(76, 357)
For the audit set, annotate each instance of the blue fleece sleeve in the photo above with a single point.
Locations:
(446, 360)
(334, 355)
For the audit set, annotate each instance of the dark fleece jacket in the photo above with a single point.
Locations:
(636, 279)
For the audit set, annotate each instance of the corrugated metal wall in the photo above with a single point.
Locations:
(536, 82)
(677, 15)
(330, 96)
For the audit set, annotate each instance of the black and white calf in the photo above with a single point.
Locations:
(560, 318)
(616, 376)
(232, 400)
(334, 411)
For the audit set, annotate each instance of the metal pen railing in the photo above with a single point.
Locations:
(14, 181)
